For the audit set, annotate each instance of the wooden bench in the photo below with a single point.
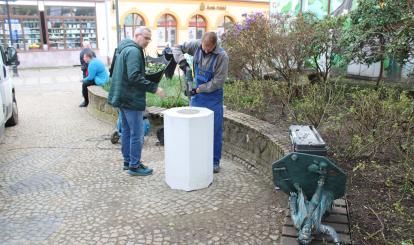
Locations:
(155, 111)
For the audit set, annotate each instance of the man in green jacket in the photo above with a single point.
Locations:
(127, 92)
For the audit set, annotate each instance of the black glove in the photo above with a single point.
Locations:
(192, 92)
(183, 65)
(187, 70)
(188, 75)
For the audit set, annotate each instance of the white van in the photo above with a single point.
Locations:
(8, 111)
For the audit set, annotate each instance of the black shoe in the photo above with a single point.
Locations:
(216, 169)
(115, 137)
(140, 170)
(84, 104)
(126, 166)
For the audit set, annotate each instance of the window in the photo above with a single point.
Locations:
(3, 10)
(131, 22)
(197, 27)
(56, 31)
(24, 10)
(68, 27)
(70, 11)
(64, 27)
(224, 24)
(166, 30)
(88, 32)
(25, 27)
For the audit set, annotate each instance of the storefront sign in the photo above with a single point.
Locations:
(212, 7)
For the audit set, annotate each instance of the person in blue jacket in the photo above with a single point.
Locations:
(97, 75)
(84, 66)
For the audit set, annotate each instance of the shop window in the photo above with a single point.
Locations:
(56, 33)
(131, 22)
(60, 11)
(24, 10)
(224, 24)
(88, 32)
(68, 27)
(166, 30)
(197, 27)
(25, 27)
(3, 10)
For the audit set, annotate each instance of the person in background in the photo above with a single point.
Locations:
(97, 75)
(210, 72)
(128, 93)
(84, 66)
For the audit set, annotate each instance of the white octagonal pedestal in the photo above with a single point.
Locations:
(188, 145)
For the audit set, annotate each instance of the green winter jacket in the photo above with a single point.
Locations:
(129, 86)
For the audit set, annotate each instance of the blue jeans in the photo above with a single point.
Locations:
(147, 125)
(132, 136)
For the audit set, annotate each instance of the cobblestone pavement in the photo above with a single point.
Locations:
(61, 182)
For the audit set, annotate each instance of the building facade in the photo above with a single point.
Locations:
(321, 8)
(176, 21)
(50, 33)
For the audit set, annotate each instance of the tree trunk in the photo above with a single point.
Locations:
(345, 5)
(381, 74)
(382, 57)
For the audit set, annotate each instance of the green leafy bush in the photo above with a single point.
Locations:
(317, 102)
(371, 124)
(246, 96)
(246, 43)
(174, 96)
(107, 85)
(259, 47)
(377, 30)
(358, 123)
(152, 68)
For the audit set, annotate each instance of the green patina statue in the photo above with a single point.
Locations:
(313, 183)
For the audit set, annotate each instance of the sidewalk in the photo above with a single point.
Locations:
(47, 75)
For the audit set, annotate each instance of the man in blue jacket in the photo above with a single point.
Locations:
(84, 66)
(128, 93)
(97, 75)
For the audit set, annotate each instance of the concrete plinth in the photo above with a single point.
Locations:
(188, 136)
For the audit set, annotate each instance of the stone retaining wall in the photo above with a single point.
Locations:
(98, 105)
(253, 142)
(246, 139)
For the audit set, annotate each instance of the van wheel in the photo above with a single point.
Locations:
(14, 119)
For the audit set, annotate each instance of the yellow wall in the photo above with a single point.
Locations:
(182, 10)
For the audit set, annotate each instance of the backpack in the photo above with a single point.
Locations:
(111, 69)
